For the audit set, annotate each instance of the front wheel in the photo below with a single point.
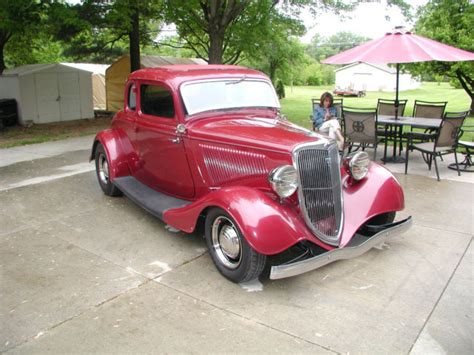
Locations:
(233, 256)
(102, 171)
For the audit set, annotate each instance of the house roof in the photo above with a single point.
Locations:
(382, 67)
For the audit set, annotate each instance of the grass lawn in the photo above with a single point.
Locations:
(297, 104)
(22, 135)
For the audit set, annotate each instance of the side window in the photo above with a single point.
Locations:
(157, 101)
(132, 98)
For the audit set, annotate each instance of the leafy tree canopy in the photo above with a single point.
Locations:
(323, 47)
(450, 22)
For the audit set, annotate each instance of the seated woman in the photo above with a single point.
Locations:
(325, 120)
(325, 109)
(332, 128)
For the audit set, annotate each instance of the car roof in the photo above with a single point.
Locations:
(181, 73)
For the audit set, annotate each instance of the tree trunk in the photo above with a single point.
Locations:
(465, 83)
(134, 37)
(2, 58)
(216, 47)
(272, 71)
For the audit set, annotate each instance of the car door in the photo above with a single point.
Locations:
(125, 122)
(163, 164)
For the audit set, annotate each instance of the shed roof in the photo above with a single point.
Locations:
(149, 61)
(90, 67)
(33, 68)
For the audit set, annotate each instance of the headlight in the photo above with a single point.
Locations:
(358, 165)
(284, 180)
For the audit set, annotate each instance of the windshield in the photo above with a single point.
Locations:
(229, 93)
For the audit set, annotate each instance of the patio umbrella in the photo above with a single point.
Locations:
(399, 47)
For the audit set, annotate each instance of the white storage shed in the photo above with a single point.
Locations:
(371, 77)
(98, 82)
(49, 92)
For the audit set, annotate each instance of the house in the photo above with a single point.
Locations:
(116, 75)
(49, 92)
(373, 77)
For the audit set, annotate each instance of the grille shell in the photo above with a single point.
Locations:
(320, 189)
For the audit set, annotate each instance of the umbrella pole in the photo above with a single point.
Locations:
(396, 91)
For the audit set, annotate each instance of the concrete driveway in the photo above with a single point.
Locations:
(82, 272)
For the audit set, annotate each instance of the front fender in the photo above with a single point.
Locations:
(271, 227)
(115, 144)
(378, 193)
(268, 226)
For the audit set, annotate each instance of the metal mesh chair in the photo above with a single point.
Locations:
(427, 109)
(467, 164)
(387, 108)
(360, 127)
(446, 141)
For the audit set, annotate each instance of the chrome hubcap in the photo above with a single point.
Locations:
(103, 169)
(226, 242)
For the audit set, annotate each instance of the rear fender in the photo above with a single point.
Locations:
(268, 226)
(115, 145)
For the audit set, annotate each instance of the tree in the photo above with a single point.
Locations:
(98, 30)
(222, 31)
(281, 51)
(17, 18)
(320, 47)
(450, 22)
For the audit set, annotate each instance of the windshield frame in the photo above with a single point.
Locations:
(224, 79)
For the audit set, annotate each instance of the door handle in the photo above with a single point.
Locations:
(176, 140)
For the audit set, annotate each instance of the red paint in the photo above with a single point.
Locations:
(142, 146)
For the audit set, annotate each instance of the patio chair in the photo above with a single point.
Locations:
(337, 103)
(467, 164)
(427, 109)
(360, 127)
(446, 141)
(387, 108)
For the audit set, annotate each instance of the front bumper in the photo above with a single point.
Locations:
(358, 246)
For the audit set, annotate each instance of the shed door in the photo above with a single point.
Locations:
(70, 96)
(47, 97)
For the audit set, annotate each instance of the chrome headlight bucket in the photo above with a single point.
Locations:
(357, 165)
(284, 180)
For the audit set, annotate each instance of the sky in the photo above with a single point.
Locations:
(368, 20)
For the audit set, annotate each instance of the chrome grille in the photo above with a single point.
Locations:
(320, 192)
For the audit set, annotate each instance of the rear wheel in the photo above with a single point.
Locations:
(103, 173)
(233, 256)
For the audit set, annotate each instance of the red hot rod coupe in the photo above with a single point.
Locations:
(207, 147)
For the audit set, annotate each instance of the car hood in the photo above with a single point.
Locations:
(251, 130)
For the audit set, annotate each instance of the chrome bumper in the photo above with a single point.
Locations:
(349, 252)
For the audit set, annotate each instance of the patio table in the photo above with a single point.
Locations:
(419, 122)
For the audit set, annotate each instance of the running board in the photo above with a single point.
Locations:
(151, 200)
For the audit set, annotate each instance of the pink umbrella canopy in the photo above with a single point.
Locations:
(400, 47)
